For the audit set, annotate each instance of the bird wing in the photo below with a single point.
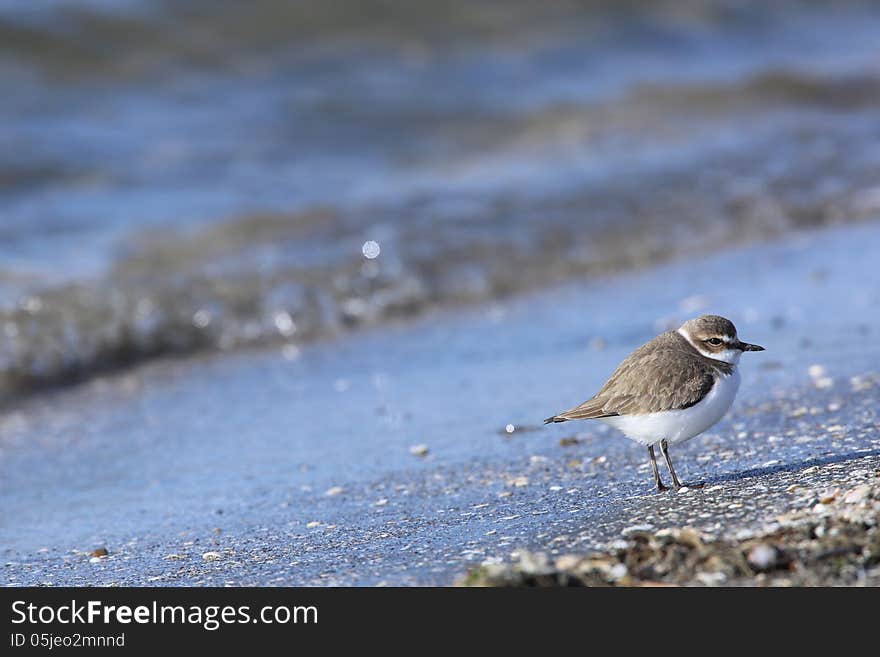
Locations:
(655, 377)
(590, 409)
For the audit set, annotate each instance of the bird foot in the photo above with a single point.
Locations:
(679, 486)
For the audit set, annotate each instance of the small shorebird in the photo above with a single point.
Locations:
(670, 389)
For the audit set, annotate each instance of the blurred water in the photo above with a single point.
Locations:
(186, 175)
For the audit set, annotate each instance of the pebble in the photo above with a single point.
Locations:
(567, 562)
(860, 383)
(857, 494)
(534, 563)
(211, 556)
(763, 557)
(334, 490)
(633, 529)
(829, 495)
(419, 450)
(618, 571)
(711, 579)
(816, 371)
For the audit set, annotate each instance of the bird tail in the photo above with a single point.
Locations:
(589, 410)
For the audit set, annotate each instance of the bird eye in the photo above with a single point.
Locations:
(714, 341)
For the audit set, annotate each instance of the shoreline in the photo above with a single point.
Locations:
(148, 328)
(312, 478)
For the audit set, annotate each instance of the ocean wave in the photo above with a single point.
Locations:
(256, 279)
(178, 178)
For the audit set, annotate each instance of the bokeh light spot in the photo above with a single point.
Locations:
(371, 249)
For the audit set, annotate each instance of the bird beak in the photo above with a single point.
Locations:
(745, 346)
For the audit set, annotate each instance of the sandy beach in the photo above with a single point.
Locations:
(414, 453)
(287, 289)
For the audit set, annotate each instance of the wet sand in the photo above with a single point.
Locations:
(283, 467)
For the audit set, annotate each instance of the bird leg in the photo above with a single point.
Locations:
(660, 486)
(664, 447)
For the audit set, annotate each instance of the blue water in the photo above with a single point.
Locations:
(177, 178)
(168, 131)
